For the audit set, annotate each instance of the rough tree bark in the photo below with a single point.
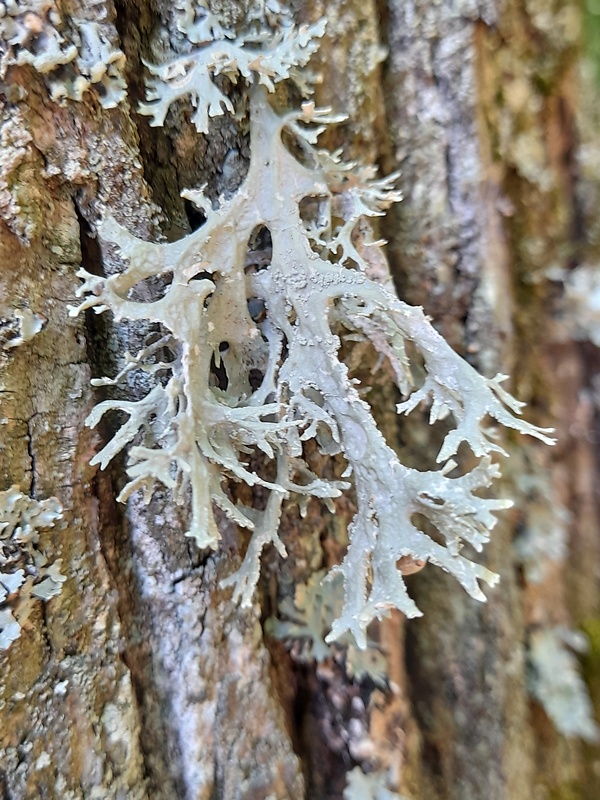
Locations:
(141, 680)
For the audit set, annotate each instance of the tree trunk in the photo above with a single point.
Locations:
(141, 678)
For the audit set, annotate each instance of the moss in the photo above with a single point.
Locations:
(591, 659)
(591, 30)
(567, 791)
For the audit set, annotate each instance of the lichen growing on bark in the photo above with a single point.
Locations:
(556, 683)
(250, 360)
(76, 52)
(307, 621)
(25, 574)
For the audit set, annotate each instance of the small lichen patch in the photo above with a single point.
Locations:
(29, 324)
(372, 786)
(31, 28)
(308, 619)
(77, 54)
(25, 573)
(582, 303)
(21, 201)
(543, 533)
(557, 684)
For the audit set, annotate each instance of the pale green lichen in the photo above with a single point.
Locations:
(556, 683)
(193, 75)
(76, 54)
(250, 362)
(25, 573)
(554, 678)
(308, 620)
(544, 532)
(99, 65)
(29, 325)
(372, 786)
(31, 29)
(582, 302)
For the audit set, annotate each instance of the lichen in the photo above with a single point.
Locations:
(372, 786)
(76, 54)
(31, 29)
(556, 683)
(250, 361)
(21, 202)
(25, 573)
(29, 325)
(543, 535)
(582, 303)
(99, 65)
(307, 621)
(193, 75)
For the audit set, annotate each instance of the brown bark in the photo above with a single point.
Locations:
(141, 680)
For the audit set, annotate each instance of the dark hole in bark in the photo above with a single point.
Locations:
(255, 379)
(219, 373)
(195, 216)
(260, 249)
(257, 309)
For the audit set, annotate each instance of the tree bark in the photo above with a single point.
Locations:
(142, 679)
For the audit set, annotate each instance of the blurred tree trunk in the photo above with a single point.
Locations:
(141, 680)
